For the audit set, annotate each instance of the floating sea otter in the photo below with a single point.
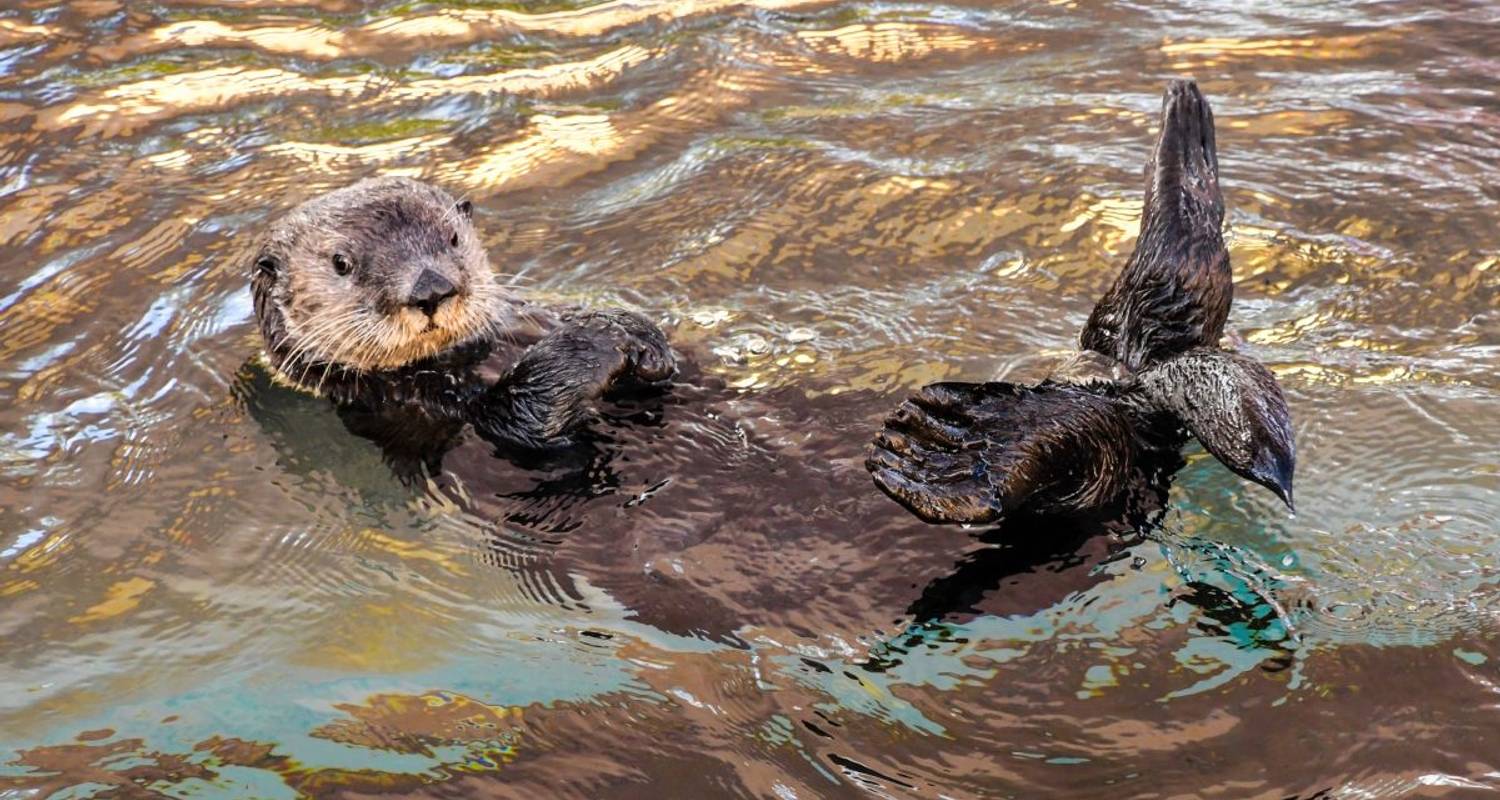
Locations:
(380, 296)
(1150, 366)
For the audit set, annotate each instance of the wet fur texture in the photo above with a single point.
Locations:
(1174, 292)
(380, 296)
(974, 452)
(1232, 404)
(1110, 419)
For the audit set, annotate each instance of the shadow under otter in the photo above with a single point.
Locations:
(1104, 424)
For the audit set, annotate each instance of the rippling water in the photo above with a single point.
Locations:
(208, 587)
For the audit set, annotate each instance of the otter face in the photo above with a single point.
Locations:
(373, 276)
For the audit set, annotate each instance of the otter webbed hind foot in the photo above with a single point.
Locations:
(555, 386)
(1175, 290)
(928, 457)
(974, 452)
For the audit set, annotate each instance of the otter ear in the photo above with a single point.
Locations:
(466, 208)
(268, 265)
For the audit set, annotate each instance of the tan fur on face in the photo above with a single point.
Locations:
(334, 327)
(332, 320)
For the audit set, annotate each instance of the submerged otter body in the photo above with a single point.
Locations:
(379, 295)
(1113, 417)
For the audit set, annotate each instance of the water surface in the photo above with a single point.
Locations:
(209, 588)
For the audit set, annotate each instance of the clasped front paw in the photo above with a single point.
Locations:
(645, 357)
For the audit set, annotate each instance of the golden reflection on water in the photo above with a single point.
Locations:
(1310, 47)
(417, 724)
(13, 32)
(889, 41)
(439, 28)
(120, 598)
(1292, 123)
(122, 109)
(830, 204)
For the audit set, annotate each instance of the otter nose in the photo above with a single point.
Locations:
(429, 292)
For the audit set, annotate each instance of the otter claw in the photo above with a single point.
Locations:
(653, 361)
(934, 504)
(912, 417)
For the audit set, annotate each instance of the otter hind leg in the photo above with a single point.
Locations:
(970, 453)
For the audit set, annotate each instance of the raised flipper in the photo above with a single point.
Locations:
(1234, 407)
(972, 452)
(1174, 292)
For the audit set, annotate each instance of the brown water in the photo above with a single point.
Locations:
(208, 587)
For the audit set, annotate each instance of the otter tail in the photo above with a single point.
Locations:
(971, 452)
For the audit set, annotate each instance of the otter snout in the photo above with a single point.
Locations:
(429, 292)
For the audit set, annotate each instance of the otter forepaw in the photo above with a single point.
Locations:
(552, 390)
(646, 357)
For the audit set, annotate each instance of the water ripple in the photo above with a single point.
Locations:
(209, 585)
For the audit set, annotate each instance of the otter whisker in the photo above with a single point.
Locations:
(355, 348)
(314, 335)
(346, 319)
(311, 338)
(321, 380)
(369, 341)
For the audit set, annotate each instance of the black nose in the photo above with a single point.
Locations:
(429, 292)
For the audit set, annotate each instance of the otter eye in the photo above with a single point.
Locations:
(341, 264)
(268, 265)
(454, 240)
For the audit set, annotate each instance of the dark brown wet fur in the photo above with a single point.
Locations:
(1077, 444)
(1174, 292)
(972, 453)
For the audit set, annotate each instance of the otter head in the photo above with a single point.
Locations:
(1235, 409)
(371, 277)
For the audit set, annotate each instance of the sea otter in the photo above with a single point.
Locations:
(1113, 417)
(380, 296)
